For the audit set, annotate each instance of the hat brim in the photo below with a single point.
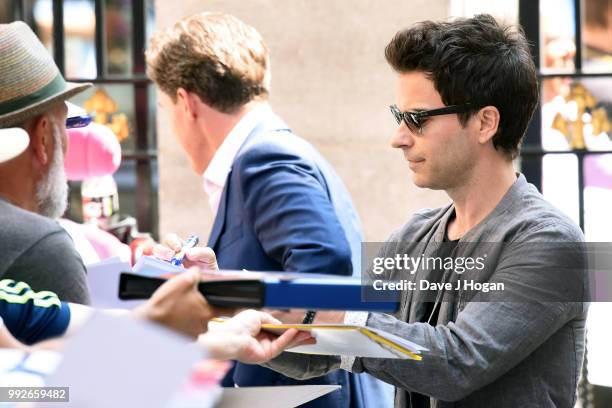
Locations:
(75, 110)
(13, 141)
(20, 116)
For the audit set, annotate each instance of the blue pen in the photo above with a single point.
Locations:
(190, 243)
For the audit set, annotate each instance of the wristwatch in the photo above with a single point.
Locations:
(309, 317)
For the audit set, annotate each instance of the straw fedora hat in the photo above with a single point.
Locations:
(30, 82)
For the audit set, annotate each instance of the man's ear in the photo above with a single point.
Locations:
(187, 102)
(488, 119)
(41, 139)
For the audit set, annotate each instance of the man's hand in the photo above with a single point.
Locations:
(296, 316)
(179, 305)
(202, 257)
(241, 338)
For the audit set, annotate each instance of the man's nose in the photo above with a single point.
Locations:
(402, 137)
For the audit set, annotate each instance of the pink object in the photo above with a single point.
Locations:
(94, 244)
(598, 171)
(105, 244)
(93, 151)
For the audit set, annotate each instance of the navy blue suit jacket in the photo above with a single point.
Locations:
(285, 209)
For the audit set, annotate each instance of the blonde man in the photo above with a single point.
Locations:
(278, 205)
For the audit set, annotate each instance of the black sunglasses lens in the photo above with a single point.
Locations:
(396, 114)
(413, 122)
(410, 119)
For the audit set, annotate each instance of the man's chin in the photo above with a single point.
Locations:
(421, 181)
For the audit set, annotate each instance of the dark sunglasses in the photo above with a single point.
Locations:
(78, 121)
(415, 120)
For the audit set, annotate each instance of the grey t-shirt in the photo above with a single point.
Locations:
(38, 251)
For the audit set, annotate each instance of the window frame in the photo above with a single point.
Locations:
(144, 154)
(532, 152)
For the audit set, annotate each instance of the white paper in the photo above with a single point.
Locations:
(273, 397)
(9, 358)
(339, 341)
(103, 280)
(22, 369)
(152, 266)
(43, 361)
(123, 362)
(208, 397)
(396, 339)
(347, 343)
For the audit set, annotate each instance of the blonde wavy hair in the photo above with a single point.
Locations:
(214, 55)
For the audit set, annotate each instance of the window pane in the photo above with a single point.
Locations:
(558, 35)
(126, 179)
(598, 197)
(75, 209)
(118, 33)
(152, 125)
(599, 338)
(35, 13)
(79, 44)
(150, 19)
(126, 185)
(560, 183)
(597, 36)
(6, 13)
(113, 105)
(42, 11)
(598, 228)
(576, 114)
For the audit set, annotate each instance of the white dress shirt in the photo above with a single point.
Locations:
(219, 167)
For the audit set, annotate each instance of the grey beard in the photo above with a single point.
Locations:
(52, 190)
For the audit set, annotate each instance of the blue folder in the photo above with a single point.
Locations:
(276, 291)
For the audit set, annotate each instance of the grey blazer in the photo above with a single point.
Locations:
(519, 347)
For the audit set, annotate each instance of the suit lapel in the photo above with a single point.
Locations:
(269, 123)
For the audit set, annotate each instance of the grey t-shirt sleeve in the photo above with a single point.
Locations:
(53, 264)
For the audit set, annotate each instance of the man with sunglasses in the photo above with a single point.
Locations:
(466, 91)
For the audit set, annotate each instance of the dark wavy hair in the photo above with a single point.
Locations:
(474, 60)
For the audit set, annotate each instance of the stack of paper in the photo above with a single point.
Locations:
(117, 361)
(151, 266)
(120, 362)
(347, 340)
(103, 278)
(350, 340)
(288, 396)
